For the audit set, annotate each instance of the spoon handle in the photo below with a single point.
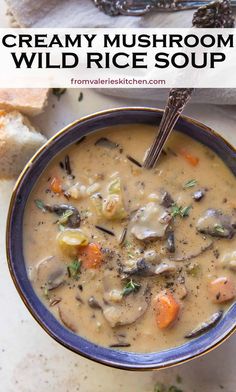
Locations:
(178, 99)
(143, 7)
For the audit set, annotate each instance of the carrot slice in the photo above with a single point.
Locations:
(193, 160)
(167, 309)
(222, 290)
(91, 256)
(56, 185)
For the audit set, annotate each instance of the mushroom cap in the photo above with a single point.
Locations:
(129, 310)
(150, 221)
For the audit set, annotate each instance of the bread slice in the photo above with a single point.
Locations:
(30, 101)
(19, 140)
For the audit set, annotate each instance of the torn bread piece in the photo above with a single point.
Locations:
(30, 101)
(19, 140)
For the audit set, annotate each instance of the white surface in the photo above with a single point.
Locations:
(30, 361)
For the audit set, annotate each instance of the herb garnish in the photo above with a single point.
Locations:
(180, 211)
(159, 387)
(127, 244)
(193, 269)
(63, 220)
(73, 269)
(40, 204)
(219, 228)
(131, 287)
(58, 92)
(190, 184)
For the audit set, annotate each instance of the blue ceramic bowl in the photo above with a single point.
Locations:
(31, 173)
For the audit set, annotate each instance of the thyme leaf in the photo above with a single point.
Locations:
(185, 211)
(40, 204)
(180, 211)
(63, 220)
(131, 287)
(73, 269)
(219, 229)
(190, 184)
(193, 269)
(159, 387)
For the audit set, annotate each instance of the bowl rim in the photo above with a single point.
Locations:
(111, 363)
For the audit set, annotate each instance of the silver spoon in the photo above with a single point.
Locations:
(216, 14)
(178, 99)
(142, 7)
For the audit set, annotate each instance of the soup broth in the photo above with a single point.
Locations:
(131, 258)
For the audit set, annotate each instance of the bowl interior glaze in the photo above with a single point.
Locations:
(71, 134)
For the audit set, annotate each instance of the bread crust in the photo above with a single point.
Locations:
(28, 101)
(19, 140)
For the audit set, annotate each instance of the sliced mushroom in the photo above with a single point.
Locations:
(130, 310)
(140, 268)
(166, 200)
(51, 273)
(79, 299)
(195, 254)
(150, 222)
(93, 303)
(73, 221)
(181, 291)
(105, 142)
(113, 296)
(170, 241)
(66, 321)
(54, 301)
(165, 267)
(144, 269)
(111, 282)
(204, 327)
(152, 256)
(216, 224)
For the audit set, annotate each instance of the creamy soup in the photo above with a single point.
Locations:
(131, 258)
